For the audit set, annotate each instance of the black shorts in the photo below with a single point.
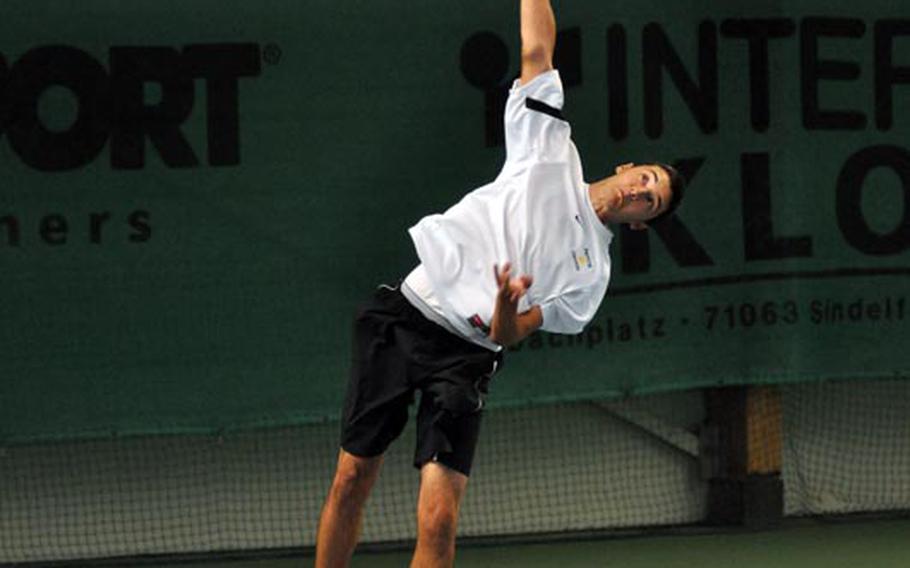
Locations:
(397, 351)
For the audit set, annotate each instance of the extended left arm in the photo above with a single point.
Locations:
(538, 38)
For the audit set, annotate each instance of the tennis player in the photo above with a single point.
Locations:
(528, 251)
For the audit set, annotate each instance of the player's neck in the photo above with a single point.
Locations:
(601, 197)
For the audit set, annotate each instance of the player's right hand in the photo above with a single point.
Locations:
(511, 289)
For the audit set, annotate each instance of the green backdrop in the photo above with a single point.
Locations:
(196, 196)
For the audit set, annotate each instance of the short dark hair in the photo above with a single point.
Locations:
(677, 190)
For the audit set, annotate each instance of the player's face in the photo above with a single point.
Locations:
(638, 194)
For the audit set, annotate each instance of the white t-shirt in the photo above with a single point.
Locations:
(536, 214)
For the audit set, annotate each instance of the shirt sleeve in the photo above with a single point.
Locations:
(569, 312)
(534, 124)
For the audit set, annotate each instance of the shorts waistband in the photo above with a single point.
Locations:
(394, 294)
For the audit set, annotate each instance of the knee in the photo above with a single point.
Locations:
(354, 477)
(438, 524)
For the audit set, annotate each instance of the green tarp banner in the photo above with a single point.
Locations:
(196, 196)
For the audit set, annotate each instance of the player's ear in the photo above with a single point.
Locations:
(637, 226)
(623, 167)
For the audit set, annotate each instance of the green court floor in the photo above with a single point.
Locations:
(799, 544)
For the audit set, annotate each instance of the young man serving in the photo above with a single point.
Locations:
(527, 251)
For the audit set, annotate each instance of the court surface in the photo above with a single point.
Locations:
(799, 544)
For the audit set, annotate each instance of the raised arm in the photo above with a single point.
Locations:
(538, 38)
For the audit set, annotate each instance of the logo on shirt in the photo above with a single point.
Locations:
(582, 260)
(477, 322)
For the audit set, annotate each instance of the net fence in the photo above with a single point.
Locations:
(846, 447)
(585, 466)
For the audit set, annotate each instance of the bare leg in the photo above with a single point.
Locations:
(342, 514)
(441, 490)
